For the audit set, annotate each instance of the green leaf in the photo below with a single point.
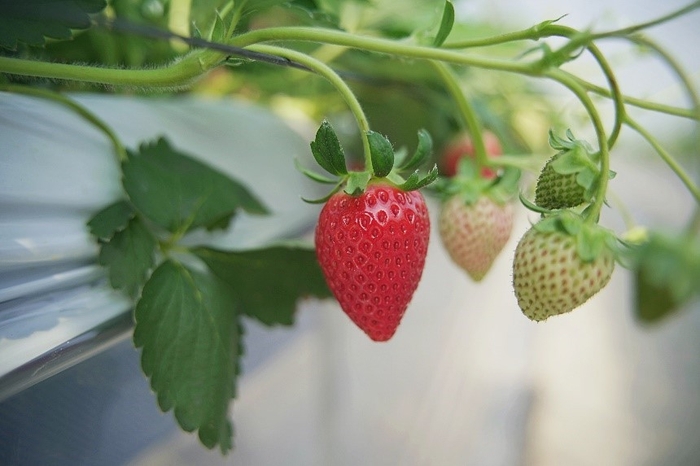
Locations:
(448, 20)
(506, 186)
(269, 282)
(533, 207)
(415, 181)
(590, 242)
(180, 193)
(129, 256)
(357, 182)
(105, 223)
(423, 151)
(572, 161)
(382, 154)
(31, 21)
(218, 29)
(189, 331)
(570, 222)
(327, 150)
(313, 175)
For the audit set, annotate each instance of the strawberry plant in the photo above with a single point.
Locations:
(375, 71)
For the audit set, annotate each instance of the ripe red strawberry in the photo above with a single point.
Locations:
(372, 250)
(463, 146)
(551, 278)
(474, 234)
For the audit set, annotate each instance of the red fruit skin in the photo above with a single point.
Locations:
(463, 146)
(372, 251)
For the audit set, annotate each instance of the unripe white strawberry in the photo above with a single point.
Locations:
(475, 233)
(549, 275)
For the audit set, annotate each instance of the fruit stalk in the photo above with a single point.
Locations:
(466, 111)
(343, 89)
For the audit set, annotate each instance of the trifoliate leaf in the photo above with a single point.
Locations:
(129, 256)
(327, 150)
(268, 282)
(382, 154)
(31, 21)
(105, 223)
(448, 20)
(180, 193)
(188, 328)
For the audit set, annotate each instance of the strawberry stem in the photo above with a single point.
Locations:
(466, 111)
(76, 107)
(327, 72)
(615, 93)
(667, 157)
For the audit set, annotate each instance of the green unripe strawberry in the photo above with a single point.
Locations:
(475, 233)
(557, 191)
(551, 276)
(571, 177)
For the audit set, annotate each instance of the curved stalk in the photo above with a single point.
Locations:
(374, 44)
(635, 102)
(327, 72)
(466, 111)
(668, 158)
(614, 88)
(76, 107)
(176, 75)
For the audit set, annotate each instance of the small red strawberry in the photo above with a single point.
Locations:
(475, 233)
(372, 250)
(463, 146)
(559, 265)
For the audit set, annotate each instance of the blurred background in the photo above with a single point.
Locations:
(467, 379)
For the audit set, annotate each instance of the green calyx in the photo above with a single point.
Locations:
(384, 164)
(592, 240)
(471, 185)
(571, 177)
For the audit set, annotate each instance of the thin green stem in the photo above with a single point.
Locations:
(327, 72)
(177, 74)
(374, 44)
(667, 157)
(646, 25)
(693, 96)
(680, 72)
(466, 111)
(580, 93)
(614, 87)
(635, 102)
(535, 32)
(76, 107)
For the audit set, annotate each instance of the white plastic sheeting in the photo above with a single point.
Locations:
(56, 170)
